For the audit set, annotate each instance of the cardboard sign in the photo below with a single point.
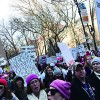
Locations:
(66, 53)
(23, 65)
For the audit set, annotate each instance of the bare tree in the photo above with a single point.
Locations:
(7, 34)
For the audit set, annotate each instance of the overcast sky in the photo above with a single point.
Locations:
(6, 10)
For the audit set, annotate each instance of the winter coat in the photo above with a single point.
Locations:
(78, 91)
(19, 92)
(42, 96)
(95, 81)
(13, 97)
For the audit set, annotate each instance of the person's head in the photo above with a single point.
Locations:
(3, 84)
(65, 65)
(88, 59)
(59, 90)
(96, 64)
(33, 84)
(18, 82)
(79, 71)
(4, 91)
(49, 71)
(57, 74)
(12, 74)
(98, 54)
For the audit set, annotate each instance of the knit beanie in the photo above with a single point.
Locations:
(96, 59)
(3, 82)
(52, 64)
(18, 78)
(57, 71)
(31, 77)
(63, 87)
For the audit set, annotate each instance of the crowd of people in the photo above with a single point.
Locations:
(80, 81)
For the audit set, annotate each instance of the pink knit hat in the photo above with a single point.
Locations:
(31, 77)
(63, 87)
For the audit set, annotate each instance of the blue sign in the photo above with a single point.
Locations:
(81, 6)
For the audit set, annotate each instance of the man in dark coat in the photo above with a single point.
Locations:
(81, 89)
(95, 76)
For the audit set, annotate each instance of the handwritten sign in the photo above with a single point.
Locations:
(23, 65)
(66, 53)
(81, 50)
(52, 59)
(74, 52)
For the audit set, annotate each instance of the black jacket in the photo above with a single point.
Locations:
(78, 92)
(95, 81)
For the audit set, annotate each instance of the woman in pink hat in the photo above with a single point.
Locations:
(59, 90)
(34, 88)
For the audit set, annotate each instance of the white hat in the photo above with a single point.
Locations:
(57, 71)
(96, 59)
(52, 64)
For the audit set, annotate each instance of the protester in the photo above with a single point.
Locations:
(59, 90)
(95, 76)
(19, 90)
(48, 76)
(5, 93)
(34, 88)
(81, 89)
(57, 74)
(87, 63)
(11, 75)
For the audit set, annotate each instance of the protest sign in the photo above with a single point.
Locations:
(23, 65)
(52, 59)
(97, 5)
(74, 52)
(84, 13)
(43, 59)
(81, 50)
(66, 53)
(30, 50)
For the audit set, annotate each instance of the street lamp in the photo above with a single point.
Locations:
(86, 35)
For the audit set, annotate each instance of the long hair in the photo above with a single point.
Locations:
(46, 73)
(29, 90)
(7, 93)
(86, 64)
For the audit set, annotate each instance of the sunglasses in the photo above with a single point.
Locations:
(52, 91)
(58, 77)
(1, 87)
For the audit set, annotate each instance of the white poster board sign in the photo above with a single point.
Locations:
(52, 59)
(30, 50)
(97, 5)
(43, 59)
(23, 65)
(66, 53)
(81, 50)
(74, 52)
